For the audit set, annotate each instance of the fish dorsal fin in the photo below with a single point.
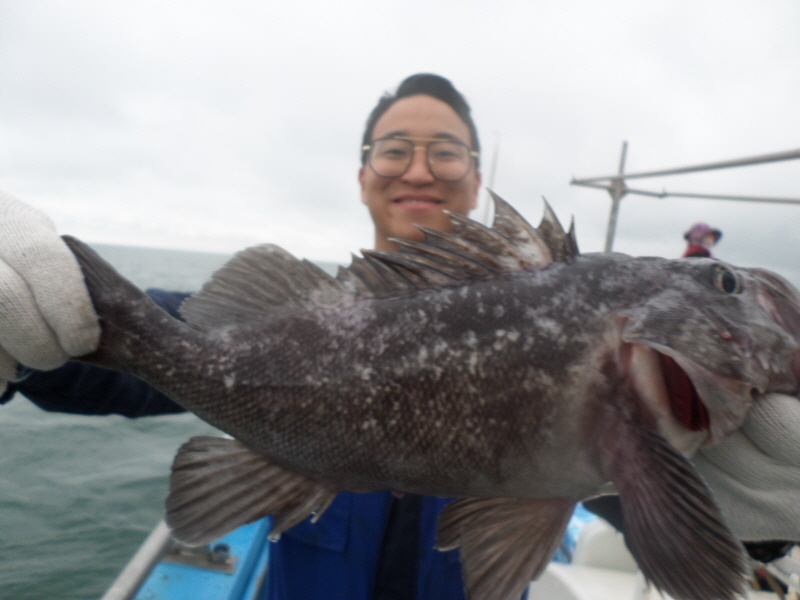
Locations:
(562, 245)
(264, 280)
(472, 251)
(392, 277)
(258, 281)
(531, 245)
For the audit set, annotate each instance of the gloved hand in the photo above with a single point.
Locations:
(46, 315)
(755, 472)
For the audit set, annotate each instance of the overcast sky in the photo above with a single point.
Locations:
(217, 125)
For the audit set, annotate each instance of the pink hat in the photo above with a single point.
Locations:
(700, 230)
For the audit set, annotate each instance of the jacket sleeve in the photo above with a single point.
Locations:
(87, 390)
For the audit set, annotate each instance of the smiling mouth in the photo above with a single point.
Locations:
(417, 201)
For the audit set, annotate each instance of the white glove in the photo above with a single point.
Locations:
(755, 472)
(46, 315)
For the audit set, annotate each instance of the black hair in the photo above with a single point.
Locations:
(426, 84)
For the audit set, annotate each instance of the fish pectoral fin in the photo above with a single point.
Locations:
(218, 484)
(504, 542)
(673, 527)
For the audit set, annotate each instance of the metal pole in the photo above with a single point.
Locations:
(136, 571)
(739, 162)
(616, 187)
(489, 185)
(617, 190)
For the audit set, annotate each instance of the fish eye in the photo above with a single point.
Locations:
(725, 280)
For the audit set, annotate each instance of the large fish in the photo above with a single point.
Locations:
(497, 365)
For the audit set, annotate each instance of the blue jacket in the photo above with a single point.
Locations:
(333, 559)
(336, 558)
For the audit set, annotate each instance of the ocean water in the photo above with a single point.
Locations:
(79, 494)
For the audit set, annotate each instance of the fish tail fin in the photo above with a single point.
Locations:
(121, 306)
(673, 527)
(218, 484)
(504, 542)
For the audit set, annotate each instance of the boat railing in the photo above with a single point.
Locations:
(617, 187)
(139, 567)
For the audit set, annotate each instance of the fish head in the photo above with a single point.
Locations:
(724, 335)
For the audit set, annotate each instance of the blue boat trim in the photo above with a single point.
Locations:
(249, 551)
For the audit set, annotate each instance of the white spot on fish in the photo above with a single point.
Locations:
(229, 381)
(472, 362)
(550, 326)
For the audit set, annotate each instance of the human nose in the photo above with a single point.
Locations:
(418, 172)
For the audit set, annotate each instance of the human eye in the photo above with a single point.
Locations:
(392, 149)
(447, 151)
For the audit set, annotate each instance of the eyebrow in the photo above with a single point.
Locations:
(443, 135)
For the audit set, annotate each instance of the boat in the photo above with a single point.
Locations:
(592, 564)
(231, 568)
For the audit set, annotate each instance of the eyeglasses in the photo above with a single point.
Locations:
(447, 160)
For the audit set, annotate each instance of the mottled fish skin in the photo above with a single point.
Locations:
(485, 364)
(490, 378)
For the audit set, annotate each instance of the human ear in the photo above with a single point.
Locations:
(361, 184)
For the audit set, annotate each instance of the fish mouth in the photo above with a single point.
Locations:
(684, 401)
(691, 406)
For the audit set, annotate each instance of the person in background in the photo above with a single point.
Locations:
(700, 239)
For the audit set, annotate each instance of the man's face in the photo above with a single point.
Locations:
(396, 204)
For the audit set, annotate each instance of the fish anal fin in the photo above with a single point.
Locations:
(504, 542)
(673, 527)
(218, 484)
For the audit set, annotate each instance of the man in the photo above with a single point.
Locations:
(419, 158)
